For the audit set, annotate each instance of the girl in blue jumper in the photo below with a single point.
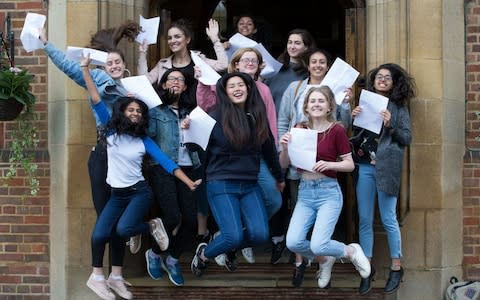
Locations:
(127, 143)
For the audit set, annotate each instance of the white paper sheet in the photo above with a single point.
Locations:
(372, 104)
(30, 32)
(150, 30)
(209, 75)
(141, 87)
(302, 148)
(201, 126)
(237, 41)
(340, 77)
(98, 57)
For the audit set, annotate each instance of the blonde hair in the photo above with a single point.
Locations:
(327, 92)
(238, 55)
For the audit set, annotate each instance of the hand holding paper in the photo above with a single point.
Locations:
(30, 33)
(97, 57)
(209, 75)
(200, 128)
(302, 149)
(372, 104)
(141, 87)
(149, 31)
(340, 77)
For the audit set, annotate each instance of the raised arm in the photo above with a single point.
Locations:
(91, 87)
(221, 63)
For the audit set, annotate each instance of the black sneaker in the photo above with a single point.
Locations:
(277, 251)
(199, 266)
(231, 262)
(298, 273)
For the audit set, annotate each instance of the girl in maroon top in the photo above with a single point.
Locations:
(320, 198)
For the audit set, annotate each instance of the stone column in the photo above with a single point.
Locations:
(426, 38)
(72, 135)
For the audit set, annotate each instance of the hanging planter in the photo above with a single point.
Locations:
(10, 109)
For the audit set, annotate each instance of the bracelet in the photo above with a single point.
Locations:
(83, 66)
(217, 40)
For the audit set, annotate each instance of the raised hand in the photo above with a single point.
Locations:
(212, 30)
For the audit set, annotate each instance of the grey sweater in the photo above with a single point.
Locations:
(390, 150)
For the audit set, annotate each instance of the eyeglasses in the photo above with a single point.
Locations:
(249, 61)
(383, 77)
(173, 79)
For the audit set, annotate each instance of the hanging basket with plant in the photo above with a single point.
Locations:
(17, 104)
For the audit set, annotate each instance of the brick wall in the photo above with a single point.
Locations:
(471, 172)
(24, 219)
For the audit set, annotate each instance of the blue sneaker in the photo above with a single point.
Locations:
(174, 272)
(153, 265)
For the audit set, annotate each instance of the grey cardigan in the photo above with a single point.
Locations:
(390, 150)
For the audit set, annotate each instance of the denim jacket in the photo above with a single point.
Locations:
(164, 130)
(108, 88)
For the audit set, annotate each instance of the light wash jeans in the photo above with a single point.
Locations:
(387, 205)
(239, 211)
(268, 185)
(319, 205)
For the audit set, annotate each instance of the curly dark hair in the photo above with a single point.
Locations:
(107, 39)
(403, 88)
(120, 124)
(239, 125)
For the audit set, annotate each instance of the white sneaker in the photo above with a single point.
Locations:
(324, 273)
(248, 255)
(118, 286)
(135, 243)
(100, 288)
(360, 261)
(157, 230)
(221, 258)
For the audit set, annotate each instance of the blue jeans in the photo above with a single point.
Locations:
(387, 205)
(239, 211)
(319, 205)
(97, 170)
(122, 216)
(268, 186)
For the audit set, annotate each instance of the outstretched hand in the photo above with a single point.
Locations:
(195, 184)
(212, 30)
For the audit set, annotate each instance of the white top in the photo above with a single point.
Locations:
(125, 157)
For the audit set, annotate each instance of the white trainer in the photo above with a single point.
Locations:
(221, 258)
(135, 243)
(248, 255)
(118, 286)
(360, 261)
(100, 288)
(324, 273)
(157, 230)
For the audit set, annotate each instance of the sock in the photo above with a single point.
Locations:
(98, 277)
(152, 254)
(116, 277)
(171, 261)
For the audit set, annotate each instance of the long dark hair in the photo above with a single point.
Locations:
(309, 42)
(120, 124)
(242, 127)
(403, 88)
(187, 99)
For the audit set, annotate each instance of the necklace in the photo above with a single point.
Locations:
(322, 127)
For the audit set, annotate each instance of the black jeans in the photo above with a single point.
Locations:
(97, 170)
(178, 207)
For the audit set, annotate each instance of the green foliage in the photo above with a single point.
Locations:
(15, 83)
(22, 154)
